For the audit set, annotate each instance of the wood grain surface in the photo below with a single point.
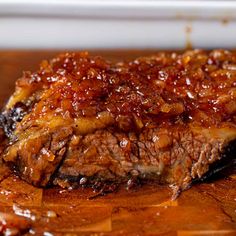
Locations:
(206, 209)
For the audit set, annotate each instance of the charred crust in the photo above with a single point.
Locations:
(222, 167)
(8, 119)
(92, 123)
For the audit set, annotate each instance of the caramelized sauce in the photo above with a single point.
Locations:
(205, 209)
(166, 87)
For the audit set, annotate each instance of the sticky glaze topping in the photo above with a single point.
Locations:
(167, 87)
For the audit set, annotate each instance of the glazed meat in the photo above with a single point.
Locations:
(168, 118)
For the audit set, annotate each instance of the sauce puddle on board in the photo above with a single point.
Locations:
(205, 209)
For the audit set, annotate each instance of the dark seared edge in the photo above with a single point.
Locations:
(80, 120)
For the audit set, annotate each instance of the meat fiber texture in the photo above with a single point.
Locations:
(82, 120)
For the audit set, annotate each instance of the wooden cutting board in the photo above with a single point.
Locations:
(205, 209)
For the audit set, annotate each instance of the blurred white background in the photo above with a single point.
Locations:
(117, 24)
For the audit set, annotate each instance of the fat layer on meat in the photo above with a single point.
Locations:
(80, 119)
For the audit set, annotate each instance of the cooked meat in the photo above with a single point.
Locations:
(84, 120)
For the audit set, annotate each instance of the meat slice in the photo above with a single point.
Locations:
(84, 120)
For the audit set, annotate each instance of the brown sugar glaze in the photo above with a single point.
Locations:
(167, 87)
(205, 209)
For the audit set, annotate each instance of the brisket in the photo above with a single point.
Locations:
(82, 120)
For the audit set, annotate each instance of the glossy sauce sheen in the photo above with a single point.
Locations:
(205, 209)
(167, 87)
